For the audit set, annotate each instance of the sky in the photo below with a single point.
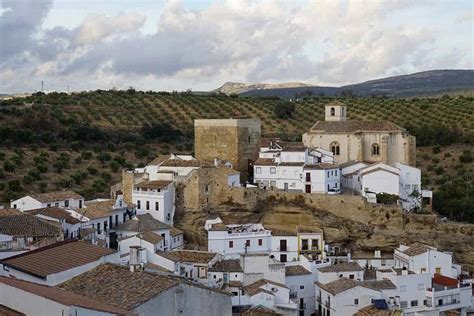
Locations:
(199, 45)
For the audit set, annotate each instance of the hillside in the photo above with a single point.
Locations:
(82, 140)
(427, 83)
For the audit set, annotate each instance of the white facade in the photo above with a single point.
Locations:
(410, 186)
(302, 291)
(27, 203)
(428, 259)
(233, 240)
(159, 202)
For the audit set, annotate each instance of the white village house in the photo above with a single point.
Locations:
(156, 198)
(62, 199)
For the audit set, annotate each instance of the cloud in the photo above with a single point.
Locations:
(19, 23)
(324, 42)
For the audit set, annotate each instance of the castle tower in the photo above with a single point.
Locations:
(336, 112)
(234, 140)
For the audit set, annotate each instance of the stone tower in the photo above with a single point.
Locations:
(335, 112)
(235, 140)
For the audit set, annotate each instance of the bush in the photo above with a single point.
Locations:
(435, 160)
(86, 155)
(8, 166)
(93, 171)
(386, 198)
(28, 179)
(42, 168)
(14, 185)
(439, 170)
(436, 149)
(284, 110)
(466, 156)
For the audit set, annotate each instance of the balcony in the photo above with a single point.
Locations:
(312, 249)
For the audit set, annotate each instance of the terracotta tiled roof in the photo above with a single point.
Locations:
(7, 311)
(296, 270)
(10, 211)
(61, 296)
(260, 310)
(342, 267)
(25, 225)
(159, 159)
(371, 255)
(355, 126)
(55, 212)
(153, 185)
(255, 287)
(231, 265)
(99, 209)
(265, 162)
(57, 257)
(142, 223)
(344, 284)
(291, 164)
(321, 166)
(188, 256)
(151, 237)
(295, 148)
(175, 231)
(116, 285)
(181, 163)
(56, 196)
(349, 163)
(417, 249)
(235, 284)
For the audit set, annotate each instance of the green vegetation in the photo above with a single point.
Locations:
(83, 140)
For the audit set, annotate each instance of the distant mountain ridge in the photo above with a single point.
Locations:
(417, 84)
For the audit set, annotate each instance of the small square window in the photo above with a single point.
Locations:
(231, 244)
(301, 287)
(258, 170)
(356, 301)
(272, 170)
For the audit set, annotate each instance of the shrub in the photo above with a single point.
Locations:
(435, 160)
(42, 168)
(42, 186)
(436, 149)
(14, 185)
(439, 170)
(86, 155)
(8, 166)
(466, 156)
(28, 179)
(284, 110)
(386, 198)
(93, 171)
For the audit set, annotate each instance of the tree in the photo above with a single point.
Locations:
(284, 109)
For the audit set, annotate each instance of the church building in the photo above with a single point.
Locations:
(368, 141)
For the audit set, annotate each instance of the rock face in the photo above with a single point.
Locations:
(346, 220)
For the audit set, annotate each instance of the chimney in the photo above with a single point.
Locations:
(137, 258)
(377, 254)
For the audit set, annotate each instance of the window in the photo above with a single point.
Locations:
(273, 183)
(403, 304)
(247, 243)
(231, 244)
(272, 170)
(14, 205)
(335, 173)
(335, 148)
(206, 188)
(375, 150)
(48, 205)
(258, 170)
(301, 287)
(438, 270)
(414, 303)
(260, 242)
(215, 276)
(356, 301)
(66, 203)
(333, 111)
(328, 174)
(249, 139)
(139, 204)
(157, 206)
(147, 205)
(351, 276)
(56, 204)
(105, 226)
(98, 228)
